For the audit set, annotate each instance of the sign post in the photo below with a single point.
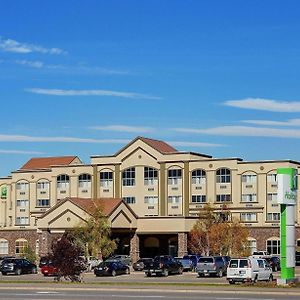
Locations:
(287, 198)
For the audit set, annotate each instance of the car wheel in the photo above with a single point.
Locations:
(231, 282)
(18, 272)
(220, 273)
(166, 272)
(113, 273)
(148, 274)
(127, 271)
(34, 270)
(270, 278)
(4, 273)
(255, 279)
(180, 271)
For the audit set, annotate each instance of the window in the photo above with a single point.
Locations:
(106, 179)
(249, 198)
(43, 202)
(273, 246)
(63, 181)
(198, 198)
(174, 199)
(151, 199)
(129, 200)
(22, 203)
(22, 186)
(128, 177)
(223, 198)
(198, 177)
(273, 217)
(272, 197)
(174, 176)
(22, 221)
(150, 176)
(249, 178)
(3, 246)
(84, 181)
(21, 245)
(272, 178)
(248, 217)
(43, 185)
(223, 176)
(252, 245)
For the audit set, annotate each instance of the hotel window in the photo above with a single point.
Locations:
(198, 177)
(22, 203)
(84, 180)
(198, 198)
(129, 200)
(249, 198)
(150, 176)
(272, 178)
(151, 199)
(248, 217)
(223, 176)
(223, 198)
(273, 217)
(43, 185)
(21, 245)
(43, 202)
(273, 246)
(128, 177)
(63, 181)
(22, 221)
(22, 186)
(174, 199)
(272, 197)
(3, 246)
(174, 176)
(249, 178)
(106, 179)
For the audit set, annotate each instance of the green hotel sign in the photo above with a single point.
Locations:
(3, 192)
(287, 186)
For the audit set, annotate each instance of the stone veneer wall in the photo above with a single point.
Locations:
(182, 244)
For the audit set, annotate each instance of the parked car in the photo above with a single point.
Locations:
(111, 268)
(125, 259)
(44, 260)
(5, 257)
(274, 262)
(189, 262)
(49, 270)
(142, 263)
(211, 265)
(164, 265)
(17, 266)
(248, 270)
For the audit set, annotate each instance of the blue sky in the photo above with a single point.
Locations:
(86, 77)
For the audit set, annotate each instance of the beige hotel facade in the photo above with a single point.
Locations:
(150, 192)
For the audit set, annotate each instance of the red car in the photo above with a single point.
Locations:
(49, 270)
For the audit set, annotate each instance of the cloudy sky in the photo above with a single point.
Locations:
(215, 77)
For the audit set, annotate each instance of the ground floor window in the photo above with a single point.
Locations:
(21, 245)
(273, 246)
(3, 246)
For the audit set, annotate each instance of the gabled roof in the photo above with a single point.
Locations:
(46, 162)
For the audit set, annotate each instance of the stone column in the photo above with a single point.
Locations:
(182, 244)
(44, 240)
(135, 248)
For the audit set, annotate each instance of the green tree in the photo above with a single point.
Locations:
(29, 254)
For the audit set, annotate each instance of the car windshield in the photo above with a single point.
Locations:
(206, 260)
(9, 261)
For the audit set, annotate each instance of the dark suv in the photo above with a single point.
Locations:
(17, 266)
(163, 265)
(211, 265)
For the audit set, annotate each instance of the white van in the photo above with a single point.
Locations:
(248, 270)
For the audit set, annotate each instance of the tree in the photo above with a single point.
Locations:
(29, 254)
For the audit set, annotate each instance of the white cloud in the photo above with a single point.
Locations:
(20, 152)
(193, 144)
(32, 64)
(122, 128)
(9, 45)
(265, 104)
(291, 122)
(60, 92)
(244, 131)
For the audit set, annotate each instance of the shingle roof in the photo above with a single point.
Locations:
(47, 162)
(160, 146)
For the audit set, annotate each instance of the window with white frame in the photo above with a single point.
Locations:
(106, 179)
(272, 197)
(174, 199)
(128, 177)
(273, 246)
(150, 176)
(3, 246)
(174, 176)
(22, 186)
(249, 178)
(151, 199)
(272, 178)
(198, 177)
(21, 245)
(43, 202)
(43, 185)
(22, 203)
(252, 245)
(84, 181)
(248, 217)
(129, 200)
(198, 198)
(223, 176)
(22, 221)
(249, 198)
(273, 217)
(63, 181)
(223, 198)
